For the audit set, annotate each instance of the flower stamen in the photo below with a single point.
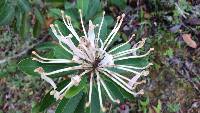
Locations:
(122, 86)
(90, 91)
(69, 25)
(98, 35)
(114, 32)
(139, 56)
(99, 90)
(81, 17)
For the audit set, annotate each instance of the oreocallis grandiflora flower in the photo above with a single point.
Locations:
(94, 58)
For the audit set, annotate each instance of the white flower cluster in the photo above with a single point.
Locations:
(93, 59)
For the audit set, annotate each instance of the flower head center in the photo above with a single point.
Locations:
(96, 63)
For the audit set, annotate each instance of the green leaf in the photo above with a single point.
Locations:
(158, 108)
(120, 3)
(145, 102)
(76, 89)
(47, 101)
(24, 29)
(19, 19)
(69, 105)
(94, 6)
(62, 27)
(45, 46)
(58, 51)
(94, 106)
(104, 28)
(169, 52)
(61, 105)
(83, 5)
(123, 48)
(54, 12)
(3, 73)
(7, 15)
(3, 4)
(55, 1)
(138, 62)
(36, 29)
(12, 66)
(81, 106)
(109, 20)
(39, 16)
(125, 93)
(113, 88)
(68, 5)
(25, 5)
(28, 66)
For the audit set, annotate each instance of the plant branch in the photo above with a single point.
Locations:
(25, 50)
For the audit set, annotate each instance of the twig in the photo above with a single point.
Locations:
(110, 108)
(25, 50)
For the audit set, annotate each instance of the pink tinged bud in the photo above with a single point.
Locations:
(103, 109)
(145, 73)
(87, 104)
(57, 95)
(39, 70)
(33, 52)
(76, 80)
(141, 92)
(52, 92)
(118, 101)
(123, 15)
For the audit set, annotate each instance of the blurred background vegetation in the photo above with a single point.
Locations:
(172, 27)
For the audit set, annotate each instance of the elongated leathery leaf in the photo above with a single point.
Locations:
(69, 105)
(83, 5)
(28, 66)
(95, 107)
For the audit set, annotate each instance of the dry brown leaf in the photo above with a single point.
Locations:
(188, 40)
(147, 15)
